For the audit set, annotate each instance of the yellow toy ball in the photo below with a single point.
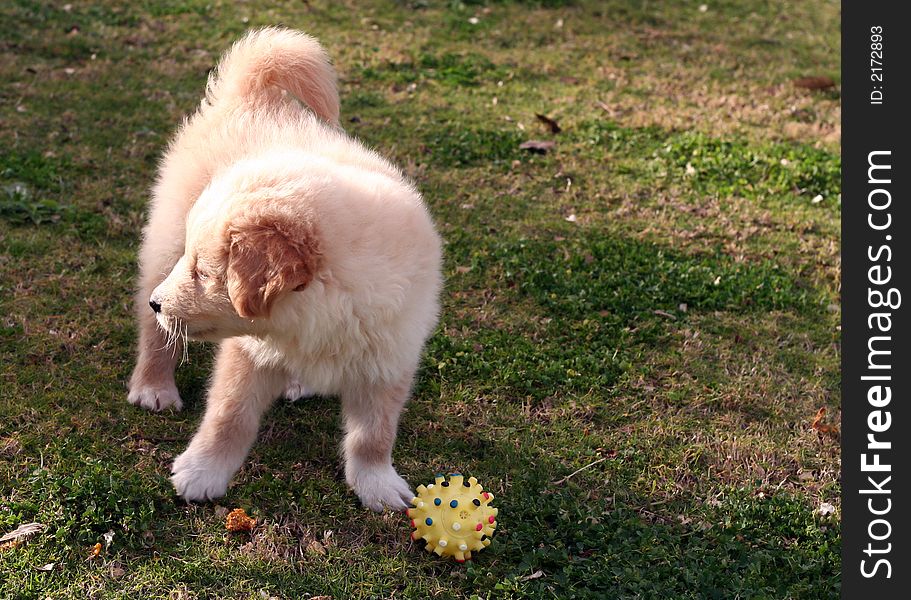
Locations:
(453, 516)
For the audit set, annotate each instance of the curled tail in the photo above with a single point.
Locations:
(268, 60)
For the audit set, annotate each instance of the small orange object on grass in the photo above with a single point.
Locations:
(237, 520)
(822, 428)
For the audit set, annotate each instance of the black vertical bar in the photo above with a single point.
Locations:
(876, 259)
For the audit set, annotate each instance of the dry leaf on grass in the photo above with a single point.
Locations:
(819, 415)
(825, 509)
(551, 124)
(822, 428)
(314, 547)
(237, 520)
(20, 534)
(814, 83)
(537, 146)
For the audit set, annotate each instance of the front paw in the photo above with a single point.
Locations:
(155, 397)
(380, 487)
(199, 479)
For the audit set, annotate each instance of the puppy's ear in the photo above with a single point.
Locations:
(268, 256)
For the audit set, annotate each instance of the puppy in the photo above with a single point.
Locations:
(310, 259)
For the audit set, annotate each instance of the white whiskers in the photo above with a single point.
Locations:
(186, 341)
(176, 333)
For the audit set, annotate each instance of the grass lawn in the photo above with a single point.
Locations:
(638, 326)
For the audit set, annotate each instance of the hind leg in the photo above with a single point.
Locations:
(371, 417)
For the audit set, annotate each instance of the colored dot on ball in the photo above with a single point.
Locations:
(486, 495)
(445, 484)
(437, 501)
(466, 484)
(456, 526)
(490, 519)
(443, 543)
(454, 503)
(476, 502)
(429, 521)
(479, 527)
(463, 547)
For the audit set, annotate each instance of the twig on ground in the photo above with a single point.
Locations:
(576, 472)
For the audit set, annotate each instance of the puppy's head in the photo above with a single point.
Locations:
(234, 271)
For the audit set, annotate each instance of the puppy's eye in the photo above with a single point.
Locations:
(200, 275)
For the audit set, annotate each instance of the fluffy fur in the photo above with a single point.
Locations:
(309, 258)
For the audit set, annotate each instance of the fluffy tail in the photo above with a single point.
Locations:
(271, 59)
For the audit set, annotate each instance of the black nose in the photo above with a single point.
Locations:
(156, 306)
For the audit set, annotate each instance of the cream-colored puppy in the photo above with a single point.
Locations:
(310, 258)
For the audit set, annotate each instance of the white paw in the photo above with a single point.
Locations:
(296, 390)
(155, 398)
(380, 487)
(199, 479)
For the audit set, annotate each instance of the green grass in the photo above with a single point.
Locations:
(654, 301)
